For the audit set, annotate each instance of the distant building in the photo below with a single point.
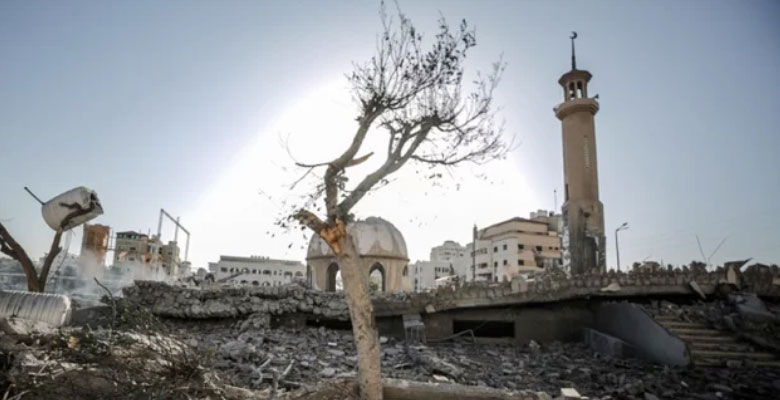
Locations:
(62, 260)
(171, 262)
(516, 246)
(257, 271)
(146, 257)
(94, 245)
(448, 259)
(138, 254)
(503, 251)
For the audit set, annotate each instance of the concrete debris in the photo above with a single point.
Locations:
(751, 307)
(570, 394)
(697, 289)
(608, 345)
(536, 368)
(612, 287)
(231, 302)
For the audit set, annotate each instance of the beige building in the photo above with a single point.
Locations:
(257, 270)
(583, 213)
(503, 251)
(383, 257)
(518, 245)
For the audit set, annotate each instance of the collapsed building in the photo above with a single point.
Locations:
(672, 318)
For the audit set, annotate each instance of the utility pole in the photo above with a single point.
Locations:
(617, 248)
(474, 254)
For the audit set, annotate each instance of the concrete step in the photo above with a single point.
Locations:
(766, 363)
(732, 355)
(697, 332)
(722, 346)
(660, 318)
(707, 339)
(683, 325)
(721, 362)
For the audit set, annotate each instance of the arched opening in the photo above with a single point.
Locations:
(255, 283)
(331, 277)
(376, 278)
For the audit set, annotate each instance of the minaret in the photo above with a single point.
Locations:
(583, 214)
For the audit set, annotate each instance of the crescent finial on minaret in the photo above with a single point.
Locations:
(573, 59)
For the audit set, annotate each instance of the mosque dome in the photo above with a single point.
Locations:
(373, 237)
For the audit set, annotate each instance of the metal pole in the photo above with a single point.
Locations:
(33, 195)
(617, 249)
(474, 254)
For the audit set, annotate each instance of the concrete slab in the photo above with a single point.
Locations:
(608, 345)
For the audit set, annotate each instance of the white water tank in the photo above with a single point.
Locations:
(53, 309)
(81, 198)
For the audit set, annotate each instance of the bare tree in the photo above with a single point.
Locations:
(36, 282)
(417, 99)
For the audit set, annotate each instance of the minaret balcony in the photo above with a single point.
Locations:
(577, 105)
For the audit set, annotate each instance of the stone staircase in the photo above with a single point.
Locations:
(710, 347)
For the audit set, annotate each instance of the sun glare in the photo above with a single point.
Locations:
(237, 214)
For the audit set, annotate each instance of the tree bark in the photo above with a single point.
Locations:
(361, 311)
(12, 248)
(53, 251)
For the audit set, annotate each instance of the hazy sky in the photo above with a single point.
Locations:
(183, 105)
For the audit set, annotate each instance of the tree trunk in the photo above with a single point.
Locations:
(15, 251)
(53, 251)
(361, 311)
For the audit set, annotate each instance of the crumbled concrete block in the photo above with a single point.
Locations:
(570, 394)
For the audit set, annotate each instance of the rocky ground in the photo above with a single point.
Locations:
(314, 354)
(134, 355)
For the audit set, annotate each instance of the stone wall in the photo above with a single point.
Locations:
(226, 302)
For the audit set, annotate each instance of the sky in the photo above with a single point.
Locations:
(200, 108)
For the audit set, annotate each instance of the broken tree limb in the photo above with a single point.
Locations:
(408, 390)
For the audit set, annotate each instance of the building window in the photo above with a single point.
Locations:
(266, 272)
(223, 269)
(520, 262)
(495, 263)
(520, 247)
(504, 247)
(495, 249)
(505, 262)
(538, 248)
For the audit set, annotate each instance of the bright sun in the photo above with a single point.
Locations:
(237, 215)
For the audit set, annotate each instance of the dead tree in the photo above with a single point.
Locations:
(416, 98)
(36, 282)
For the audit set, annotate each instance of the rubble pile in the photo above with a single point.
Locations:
(180, 301)
(134, 358)
(173, 301)
(743, 314)
(314, 354)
